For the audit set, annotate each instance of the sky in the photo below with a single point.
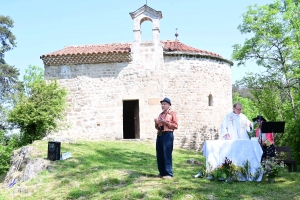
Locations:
(45, 26)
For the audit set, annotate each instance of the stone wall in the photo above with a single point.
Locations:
(97, 92)
(188, 82)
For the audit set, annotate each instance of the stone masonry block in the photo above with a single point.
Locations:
(154, 101)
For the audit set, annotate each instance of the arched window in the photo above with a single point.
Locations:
(210, 100)
(146, 29)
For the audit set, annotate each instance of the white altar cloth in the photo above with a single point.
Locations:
(238, 151)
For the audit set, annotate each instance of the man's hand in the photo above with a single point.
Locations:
(163, 121)
(156, 120)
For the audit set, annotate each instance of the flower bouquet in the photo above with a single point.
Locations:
(271, 167)
(225, 172)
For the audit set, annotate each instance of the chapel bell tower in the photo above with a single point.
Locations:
(145, 13)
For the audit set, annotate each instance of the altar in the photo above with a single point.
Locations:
(238, 151)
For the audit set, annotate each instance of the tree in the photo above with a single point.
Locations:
(40, 108)
(274, 45)
(242, 91)
(7, 38)
(6, 147)
(9, 83)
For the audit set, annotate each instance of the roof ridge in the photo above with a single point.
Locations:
(119, 43)
(168, 46)
(97, 45)
(170, 41)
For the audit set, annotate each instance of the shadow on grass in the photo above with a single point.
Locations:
(128, 171)
(134, 166)
(130, 163)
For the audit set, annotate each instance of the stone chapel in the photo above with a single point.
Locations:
(115, 89)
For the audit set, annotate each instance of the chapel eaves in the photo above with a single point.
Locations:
(116, 52)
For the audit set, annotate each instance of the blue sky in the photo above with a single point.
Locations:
(45, 26)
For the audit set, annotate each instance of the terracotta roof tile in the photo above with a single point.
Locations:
(91, 49)
(175, 45)
(168, 46)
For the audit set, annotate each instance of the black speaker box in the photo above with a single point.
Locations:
(54, 151)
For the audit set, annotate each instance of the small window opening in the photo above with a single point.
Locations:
(210, 100)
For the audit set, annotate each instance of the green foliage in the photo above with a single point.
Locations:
(227, 171)
(7, 38)
(219, 174)
(7, 145)
(125, 169)
(39, 110)
(9, 83)
(274, 45)
(246, 170)
(275, 31)
(242, 91)
(230, 172)
(249, 107)
(293, 137)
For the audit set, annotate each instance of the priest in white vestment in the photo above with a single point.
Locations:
(236, 125)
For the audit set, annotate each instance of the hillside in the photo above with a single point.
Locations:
(127, 169)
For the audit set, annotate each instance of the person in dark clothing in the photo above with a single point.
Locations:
(266, 140)
(165, 124)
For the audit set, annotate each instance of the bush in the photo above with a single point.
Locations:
(271, 168)
(6, 148)
(227, 171)
(40, 109)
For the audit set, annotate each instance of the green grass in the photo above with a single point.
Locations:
(126, 170)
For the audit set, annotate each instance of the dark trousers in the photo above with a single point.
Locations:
(164, 149)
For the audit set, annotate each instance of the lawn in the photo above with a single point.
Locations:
(127, 169)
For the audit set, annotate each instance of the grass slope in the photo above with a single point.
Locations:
(126, 170)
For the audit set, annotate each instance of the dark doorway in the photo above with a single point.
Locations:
(131, 122)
